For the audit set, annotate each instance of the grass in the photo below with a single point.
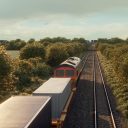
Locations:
(13, 53)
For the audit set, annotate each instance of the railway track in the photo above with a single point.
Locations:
(91, 106)
(103, 113)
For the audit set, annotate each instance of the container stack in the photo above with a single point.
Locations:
(26, 112)
(59, 89)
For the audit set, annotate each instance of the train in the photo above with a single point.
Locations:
(48, 105)
(70, 68)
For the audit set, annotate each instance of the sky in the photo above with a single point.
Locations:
(90, 19)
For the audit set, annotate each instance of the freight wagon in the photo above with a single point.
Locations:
(60, 90)
(26, 112)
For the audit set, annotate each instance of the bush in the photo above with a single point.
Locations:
(33, 50)
(23, 73)
(5, 63)
(42, 70)
(56, 54)
(6, 78)
(15, 44)
(35, 60)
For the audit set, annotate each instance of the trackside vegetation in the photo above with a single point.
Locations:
(35, 64)
(114, 59)
(6, 76)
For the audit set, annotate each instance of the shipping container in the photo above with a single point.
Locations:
(26, 112)
(59, 89)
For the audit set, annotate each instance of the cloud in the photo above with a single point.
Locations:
(28, 8)
(72, 18)
(72, 27)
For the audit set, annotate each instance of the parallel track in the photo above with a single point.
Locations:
(102, 109)
(94, 95)
(91, 106)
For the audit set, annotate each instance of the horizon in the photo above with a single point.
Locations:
(65, 38)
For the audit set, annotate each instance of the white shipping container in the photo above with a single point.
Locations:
(59, 89)
(26, 112)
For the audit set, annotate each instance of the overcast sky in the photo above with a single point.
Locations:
(37, 19)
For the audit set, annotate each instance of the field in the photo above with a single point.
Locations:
(13, 53)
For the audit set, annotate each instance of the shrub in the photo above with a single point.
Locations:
(56, 54)
(5, 63)
(35, 60)
(6, 80)
(42, 70)
(15, 44)
(33, 50)
(23, 73)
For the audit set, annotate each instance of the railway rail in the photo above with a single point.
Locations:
(91, 107)
(102, 105)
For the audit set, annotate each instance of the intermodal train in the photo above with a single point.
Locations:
(48, 105)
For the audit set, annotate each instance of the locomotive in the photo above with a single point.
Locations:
(70, 68)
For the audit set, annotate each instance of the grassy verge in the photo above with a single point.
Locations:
(119, 88)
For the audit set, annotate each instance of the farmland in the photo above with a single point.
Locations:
(13, 53)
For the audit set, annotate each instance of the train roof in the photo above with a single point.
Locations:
(70, 62)
(74, 58)
(20, 111)
(53, 85)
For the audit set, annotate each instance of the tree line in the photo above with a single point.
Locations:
(17, 44)
(35, 63)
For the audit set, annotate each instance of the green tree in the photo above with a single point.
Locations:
(56, 54)
(79, 40)
(46, 40)
(15, 44)
(33, 50)
(32, 40)
(42, 70)
(5, 63)
(5, 70)
(23, 73)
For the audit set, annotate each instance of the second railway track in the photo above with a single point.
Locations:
(90, 107)
(103, 113)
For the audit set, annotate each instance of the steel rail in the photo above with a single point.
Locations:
(95, 99)
(106, 94)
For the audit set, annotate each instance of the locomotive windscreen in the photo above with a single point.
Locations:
(69, 73)
(59, 73)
